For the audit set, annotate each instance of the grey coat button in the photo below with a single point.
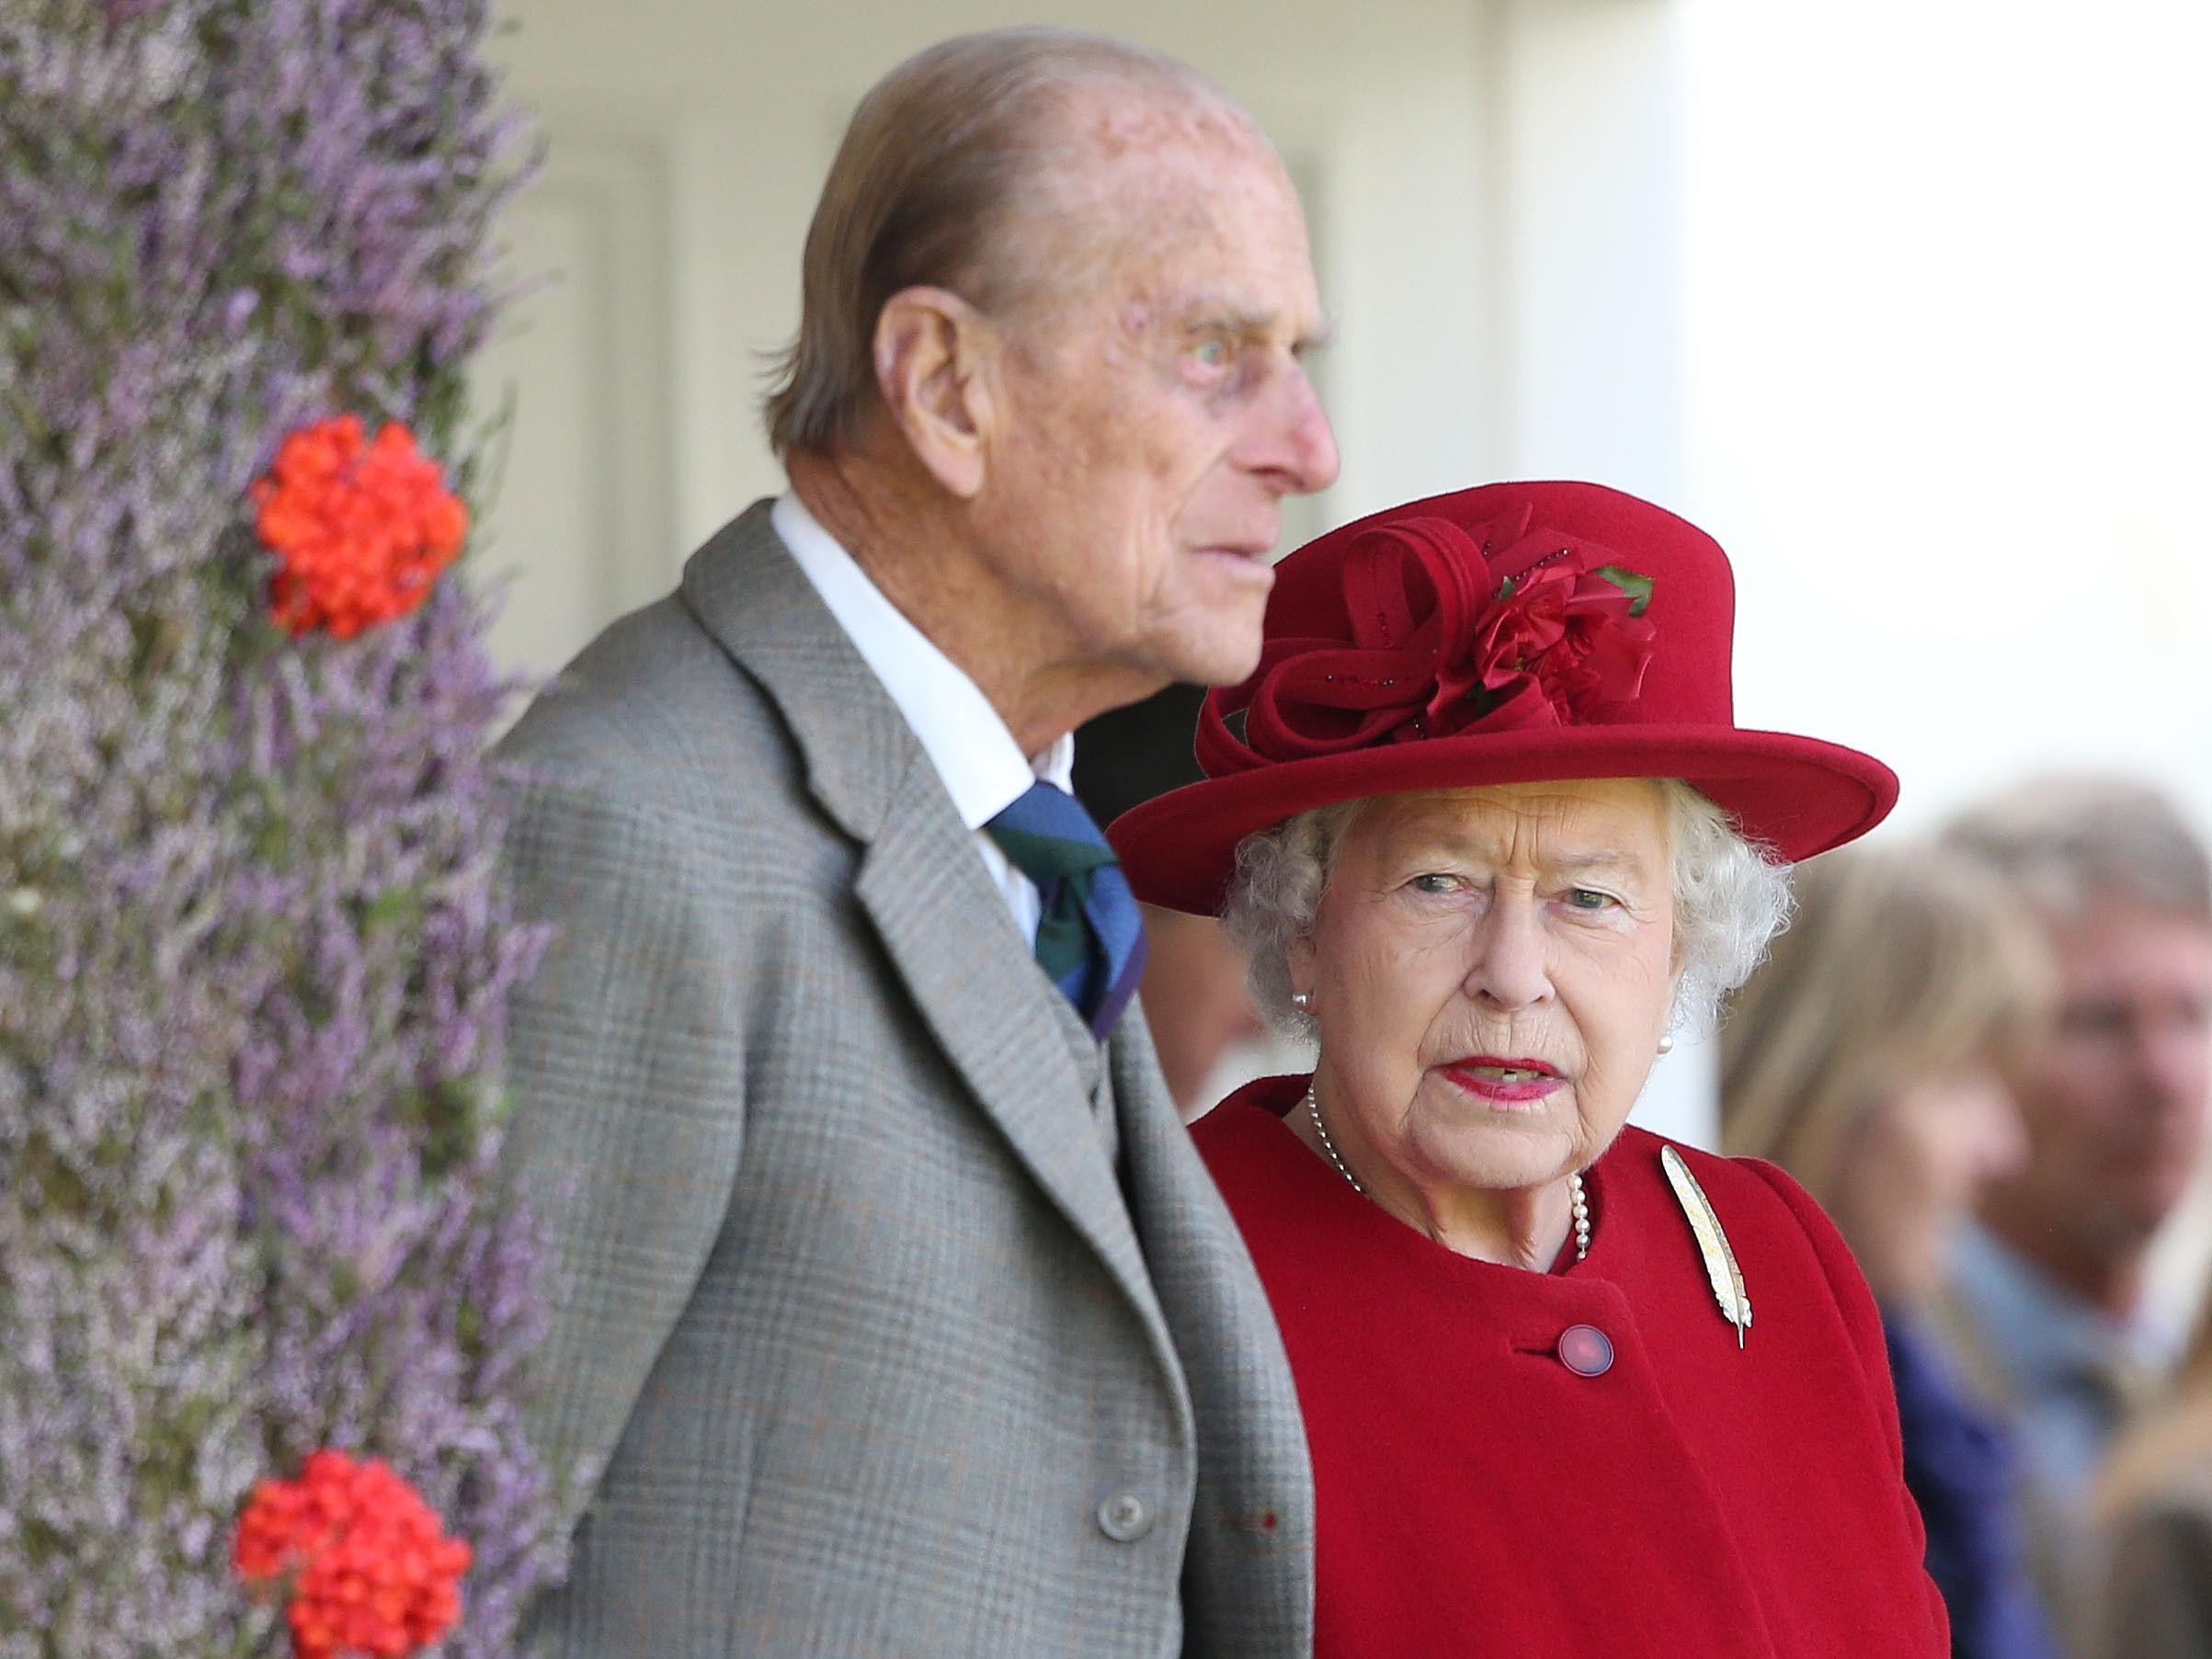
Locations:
(1124, 1517)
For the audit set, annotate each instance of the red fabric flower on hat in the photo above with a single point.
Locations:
(360, 526)
(1576, 632)
(370, 1569)
(1448, 637)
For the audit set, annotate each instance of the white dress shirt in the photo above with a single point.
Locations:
(982, 766)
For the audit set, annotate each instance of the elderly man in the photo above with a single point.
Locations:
(2047, 1309)
(900, 1317)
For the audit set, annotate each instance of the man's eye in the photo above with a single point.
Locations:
(2096, 1019)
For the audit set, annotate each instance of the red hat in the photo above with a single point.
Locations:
(1509, 633)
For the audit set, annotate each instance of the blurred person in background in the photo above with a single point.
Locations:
(2153, 1596)
(2045, 1309)
(1866, 1057)
(1193, 988)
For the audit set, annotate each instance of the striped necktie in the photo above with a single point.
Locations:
(1090, 937)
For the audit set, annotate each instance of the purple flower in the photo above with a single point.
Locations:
(253, 968)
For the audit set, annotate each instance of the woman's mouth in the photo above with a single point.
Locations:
(1507, 1082)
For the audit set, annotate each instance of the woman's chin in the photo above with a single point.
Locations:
(1508, 1156)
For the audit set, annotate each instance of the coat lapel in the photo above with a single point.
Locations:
(922, 884)
(1248, 1571)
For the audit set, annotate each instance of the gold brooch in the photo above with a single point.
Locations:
(1712, 1242)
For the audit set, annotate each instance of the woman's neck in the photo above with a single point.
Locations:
(1515, 1227)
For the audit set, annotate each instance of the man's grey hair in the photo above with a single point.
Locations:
(2069, 840)
(1731, 897)
(924, 191)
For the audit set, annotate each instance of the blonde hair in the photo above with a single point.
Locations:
(1902, 961)
(922, 192)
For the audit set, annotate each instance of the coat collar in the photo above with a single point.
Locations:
(745, 590)
(921, 881)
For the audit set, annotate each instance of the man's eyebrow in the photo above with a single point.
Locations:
(1229, 320)
(1319, 337)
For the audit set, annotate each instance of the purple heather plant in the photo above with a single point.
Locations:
(253, 964)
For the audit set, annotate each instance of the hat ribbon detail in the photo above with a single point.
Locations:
(1447, 638)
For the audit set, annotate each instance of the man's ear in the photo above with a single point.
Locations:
(937, 370)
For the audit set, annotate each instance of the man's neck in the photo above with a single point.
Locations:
(899, 537)
(2110, 1282)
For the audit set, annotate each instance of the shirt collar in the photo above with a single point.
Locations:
(983, 767)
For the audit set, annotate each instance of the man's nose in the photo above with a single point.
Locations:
(2003, 1141)
(2174, 1059)
(1297, 451)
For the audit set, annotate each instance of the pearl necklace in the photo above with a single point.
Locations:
(1576, 1200)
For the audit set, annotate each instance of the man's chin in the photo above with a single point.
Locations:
(1224, 651)
(1217, 662)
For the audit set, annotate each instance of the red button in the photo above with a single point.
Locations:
(1585, 1350)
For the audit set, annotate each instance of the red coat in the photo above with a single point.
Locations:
(1475, 1495)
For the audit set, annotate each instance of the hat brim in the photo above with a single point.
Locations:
(1796, 795)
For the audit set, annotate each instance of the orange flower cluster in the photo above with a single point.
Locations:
(361, 527)
(372, 1572)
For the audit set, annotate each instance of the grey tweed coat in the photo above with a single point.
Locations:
(895, 1320)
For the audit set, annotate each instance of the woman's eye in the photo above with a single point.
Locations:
(1433, 883)
(1211, 352)
(1588, 898)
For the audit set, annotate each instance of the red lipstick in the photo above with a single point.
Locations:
(1508, 1081)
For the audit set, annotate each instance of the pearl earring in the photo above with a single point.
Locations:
(1302, 1000)
(1666, 1043)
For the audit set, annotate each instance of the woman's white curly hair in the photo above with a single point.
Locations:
(1731, 897)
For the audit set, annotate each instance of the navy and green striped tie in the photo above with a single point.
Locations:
(1090, 937)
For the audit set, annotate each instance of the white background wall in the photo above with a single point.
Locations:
(1945, 283)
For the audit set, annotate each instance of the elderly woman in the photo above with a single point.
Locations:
(1485, 816)
(1866, 1057)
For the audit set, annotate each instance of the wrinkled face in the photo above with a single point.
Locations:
(1159, 410)
(2114, 1101)
(1920, 1158)
(1492, 971)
